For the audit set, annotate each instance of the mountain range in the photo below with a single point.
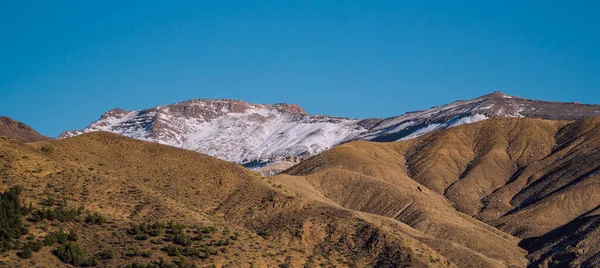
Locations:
(497, 181)
(255, 134)
(504, 192)
(17, 130)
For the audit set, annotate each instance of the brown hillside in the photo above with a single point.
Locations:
(524, 176)
(130, 182)
(354, 176)
(17, 130)
(460, 197)
(573, 244)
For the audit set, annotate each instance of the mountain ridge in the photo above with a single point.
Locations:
(254, 134)
(476, 195)
(20, 131)
(535, 179)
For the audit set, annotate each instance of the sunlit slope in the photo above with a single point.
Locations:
(524, 176)
(131, 181)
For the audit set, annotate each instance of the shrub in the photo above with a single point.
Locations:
(72, 235)
(35, 245)
(11, 223)
(47, 149)
(91, 262)
(171, 250)
(154, 229)
(60, 213)
(95, 218)
(142, 236)
(181, 239)
(26, 253)
(50, 239)
(70, 253)
(48, 202)
(263, 233)
(61, 237)
(107, 254)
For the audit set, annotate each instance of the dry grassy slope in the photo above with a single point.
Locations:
(525, 176)
(17, 130)
(559, 188)
(574, 244)
(131, 181)
(469, 163)
(371, 177)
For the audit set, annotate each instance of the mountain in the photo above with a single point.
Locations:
(232, 130)
(252, 134)
(504, 192)
(535, 179)
(17, 130)
(494, 105)
(135, 202)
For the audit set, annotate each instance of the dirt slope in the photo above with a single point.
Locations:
(463, 197)
(17, 130)
(130, 182)
(527, 177)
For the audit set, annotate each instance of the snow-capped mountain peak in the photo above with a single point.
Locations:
(246, 133)
(230, 129)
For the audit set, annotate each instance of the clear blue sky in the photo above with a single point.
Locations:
(64, 63)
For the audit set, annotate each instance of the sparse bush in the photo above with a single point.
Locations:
(142, 236)
(35, 245)
(154, 229)
(172, 250)
(26, 253)
(47, 149)
(107, 254)
(95, 218)
(263, 233)
(91, 262)
(60, 213)
(181, 239)
(70, 253)
(50, 239)
(11, 224)
(72, 235)
(48, 202)
(61, 237)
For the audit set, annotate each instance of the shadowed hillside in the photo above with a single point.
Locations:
(527, 177)
(499, 193)
(17, 130)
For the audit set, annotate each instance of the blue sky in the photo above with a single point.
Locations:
(64, 63)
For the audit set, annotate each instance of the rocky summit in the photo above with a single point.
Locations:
(254, 134)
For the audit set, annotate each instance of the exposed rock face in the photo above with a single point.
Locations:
(494, 105)
(254, 133)
(232, 130)
(17, 130)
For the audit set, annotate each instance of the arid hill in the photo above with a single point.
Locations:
(231, 216)
(531, 178)
(498, 193)
(17, 130)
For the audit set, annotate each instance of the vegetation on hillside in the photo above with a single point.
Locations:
(11, 218)
(410, 203)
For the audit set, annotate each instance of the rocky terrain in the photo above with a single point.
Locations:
(232, 130)
(255, 134)
(505, 192)
(534, 179)
(17, 130)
